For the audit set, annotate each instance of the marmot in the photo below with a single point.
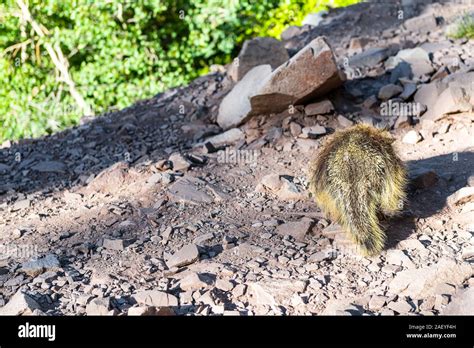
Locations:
(356, 177)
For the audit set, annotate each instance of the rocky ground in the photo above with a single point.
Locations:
(155, 209)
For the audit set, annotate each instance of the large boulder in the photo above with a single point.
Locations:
(311, 73)
(235, 107)
(258, 51)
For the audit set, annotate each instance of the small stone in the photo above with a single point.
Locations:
(401, 306)
(408, 90)
(37, 266)
(50, 167)
(20, 304)
(389, 91)
(179, 162)
(295, 129)
(98, 306)
(229, 137)
(272, 182)
(185, 256)
(239, 290)
(377, 302)
(116, 244)
(297, 229)
(192, 282)
(321, 256)
(412, 137)
(398, 257)
(344, 122)
(368, 58)
(423, 23)
(150, 310)
(155, 298)
(224, 285)
(312, 132)
(319, 108)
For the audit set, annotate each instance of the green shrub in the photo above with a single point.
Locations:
(121, 51)
(464, 27)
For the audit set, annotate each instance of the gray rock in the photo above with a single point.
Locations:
(116, 244)
(457, 96)
(4, 168)
(319, 108)
(20, 304)
(297, 229)
(368, 58)
(185, 256)
(423, 23)
(37, 266)
(321, 256)
(377, 302)
(155, 298)
(180, 163)
(408, 90)
(290, 32)
(389, 91)
(192, 282)
(98, 306)
(398, 257)
(312, 132)
(258, 51)
(344, 122)
(311, 73)
(422, 282)
(228, 137)
(417, 59)
(50, 167)
(461, 304)
(401, 306)
(224, 285)
(235, 107)
(150, 310)
(189, 190)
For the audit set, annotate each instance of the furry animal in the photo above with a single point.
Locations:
(355, 178)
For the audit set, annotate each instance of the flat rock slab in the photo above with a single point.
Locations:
(311, 73)
(185, 256)
(228, 137)
(50, 167)
(35, 267)
(155, 298)
(296, 229)
(368, 58)
(20, 304)
(190, 190)
(422, 282)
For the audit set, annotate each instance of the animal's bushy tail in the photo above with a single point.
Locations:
(359, 217)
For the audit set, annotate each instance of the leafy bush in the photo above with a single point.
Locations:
(464, 27)
(121, 51)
